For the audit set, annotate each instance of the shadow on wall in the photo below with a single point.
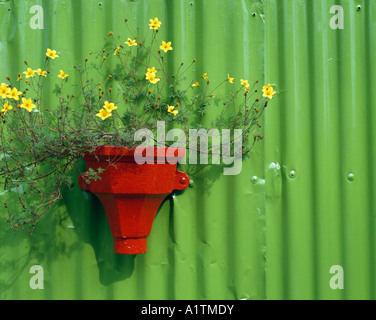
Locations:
(91, 226)
(77, 219)
(19, 250)
(13, 262)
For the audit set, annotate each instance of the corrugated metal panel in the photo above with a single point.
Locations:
(212, 241)
(205, 244)
(323, 129)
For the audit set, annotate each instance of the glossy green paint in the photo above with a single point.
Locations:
(322, 127)
(305, 199)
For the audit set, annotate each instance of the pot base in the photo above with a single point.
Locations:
(130, 245)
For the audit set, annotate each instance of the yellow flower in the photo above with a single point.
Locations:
(109, 106)
(4, 90)
(110, 33)
(244, 83)
(116, 51)
(51, 54)
(205, 76)
(229, 79)
(30, 73)
(131, 42)
(195, 84)
(166, 46)
(41, 73)
(153, 79)
(27, 104)
(268, 91)
(62, 75)
(171, 109)
(6, 108)
(151, 71)
(155, 24)
(212, 96)
(14, 94)
(19, 77)
(103, 114)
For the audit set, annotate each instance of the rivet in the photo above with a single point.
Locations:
(351, 177)
(292, 174)
(254, 180)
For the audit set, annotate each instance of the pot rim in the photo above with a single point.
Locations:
(159, 153)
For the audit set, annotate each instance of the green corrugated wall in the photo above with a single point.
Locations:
(274, 237)
(320, 198)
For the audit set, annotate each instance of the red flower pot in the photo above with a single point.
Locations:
(131, 193)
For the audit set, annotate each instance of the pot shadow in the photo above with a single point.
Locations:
(91, 225)
(171, 233)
